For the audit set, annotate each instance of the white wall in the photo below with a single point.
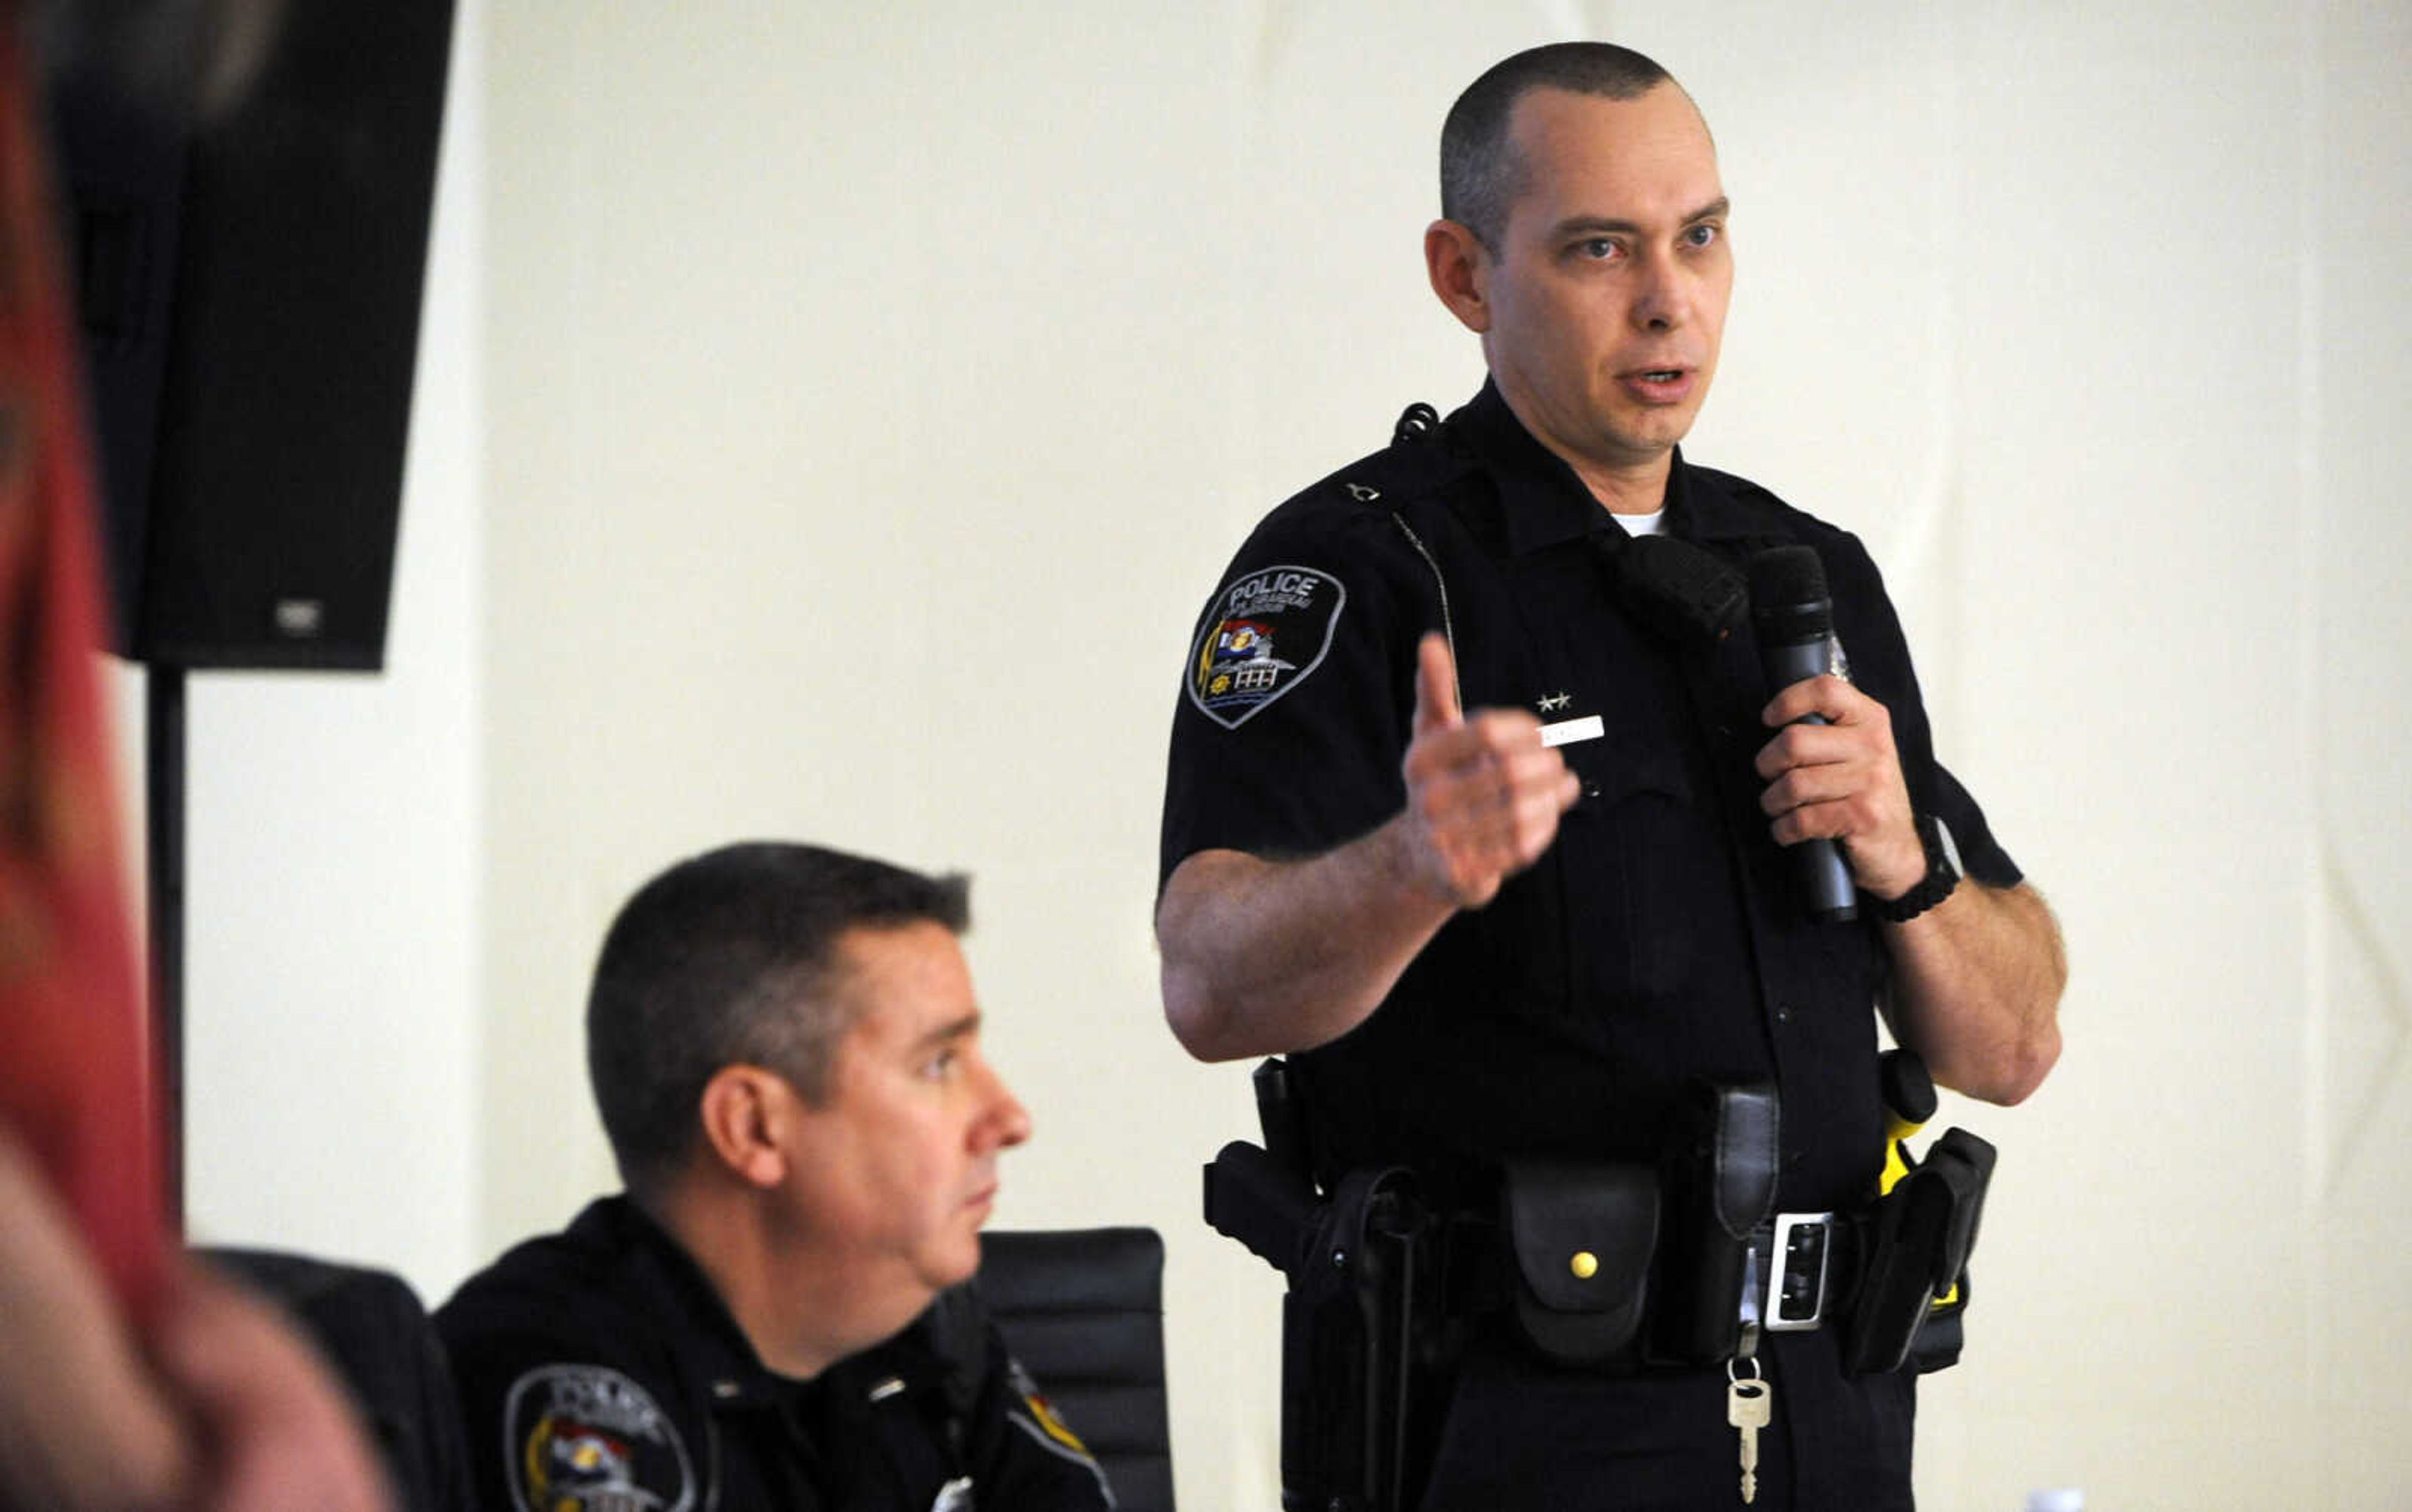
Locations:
(867, 405)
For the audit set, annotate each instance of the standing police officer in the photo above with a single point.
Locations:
(786, 1051)
(1470, 820)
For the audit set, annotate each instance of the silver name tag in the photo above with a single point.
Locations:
(1571, 731)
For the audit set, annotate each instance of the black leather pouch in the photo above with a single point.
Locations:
(1581, 1237)
(1915, 1247)
(1721, 1164)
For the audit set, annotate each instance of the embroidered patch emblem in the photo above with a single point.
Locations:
(1265, 633)
(1042, 1412)
(581, 1438)
(1038, 1417)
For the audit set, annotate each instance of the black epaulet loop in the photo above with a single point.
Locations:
(1418, 422)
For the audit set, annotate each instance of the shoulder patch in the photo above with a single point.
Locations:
(1034, 1415)
(1266, 631)
(584, 1438)
(1041, 1413)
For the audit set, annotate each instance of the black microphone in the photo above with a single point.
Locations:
(1795, 620)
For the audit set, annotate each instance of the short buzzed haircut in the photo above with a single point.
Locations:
(1481, 171)
(730, 958)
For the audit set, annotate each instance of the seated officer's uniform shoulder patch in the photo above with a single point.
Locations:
(1032, 1412)
(585, 1438)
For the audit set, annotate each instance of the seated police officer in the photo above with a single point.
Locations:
(784, 1047)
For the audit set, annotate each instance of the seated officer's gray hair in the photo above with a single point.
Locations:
(729, 957)
(1480, 173)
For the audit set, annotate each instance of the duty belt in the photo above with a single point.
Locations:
(1800, 1272)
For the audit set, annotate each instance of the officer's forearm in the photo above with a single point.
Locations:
(1976, 989)
(1263, 957)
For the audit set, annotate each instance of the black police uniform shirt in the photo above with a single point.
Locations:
(599, 1372)
(1660, 938)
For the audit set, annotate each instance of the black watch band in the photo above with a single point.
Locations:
(1942, 875)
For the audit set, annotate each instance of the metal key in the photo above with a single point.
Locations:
(1748, 1407)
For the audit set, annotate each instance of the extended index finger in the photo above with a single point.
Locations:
(1436, 706)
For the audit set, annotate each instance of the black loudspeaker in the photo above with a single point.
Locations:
(249, 274)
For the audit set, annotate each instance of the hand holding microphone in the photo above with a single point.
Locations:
(1835, 790)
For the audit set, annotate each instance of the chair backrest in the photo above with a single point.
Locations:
(373, 1330)
(1083, 1310)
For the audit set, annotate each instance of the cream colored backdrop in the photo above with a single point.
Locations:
(860, 405)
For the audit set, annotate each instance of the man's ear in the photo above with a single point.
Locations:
(1454, 261)
(743, 1108)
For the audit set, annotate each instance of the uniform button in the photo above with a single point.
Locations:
(1783, 1013)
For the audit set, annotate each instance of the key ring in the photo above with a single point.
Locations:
(1735, 1364)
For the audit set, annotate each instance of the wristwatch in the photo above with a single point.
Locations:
(1942, 875)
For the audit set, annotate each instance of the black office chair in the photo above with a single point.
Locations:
(372, 1328)
(1083, 1310)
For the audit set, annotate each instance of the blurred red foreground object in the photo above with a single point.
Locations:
(76, 1074)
